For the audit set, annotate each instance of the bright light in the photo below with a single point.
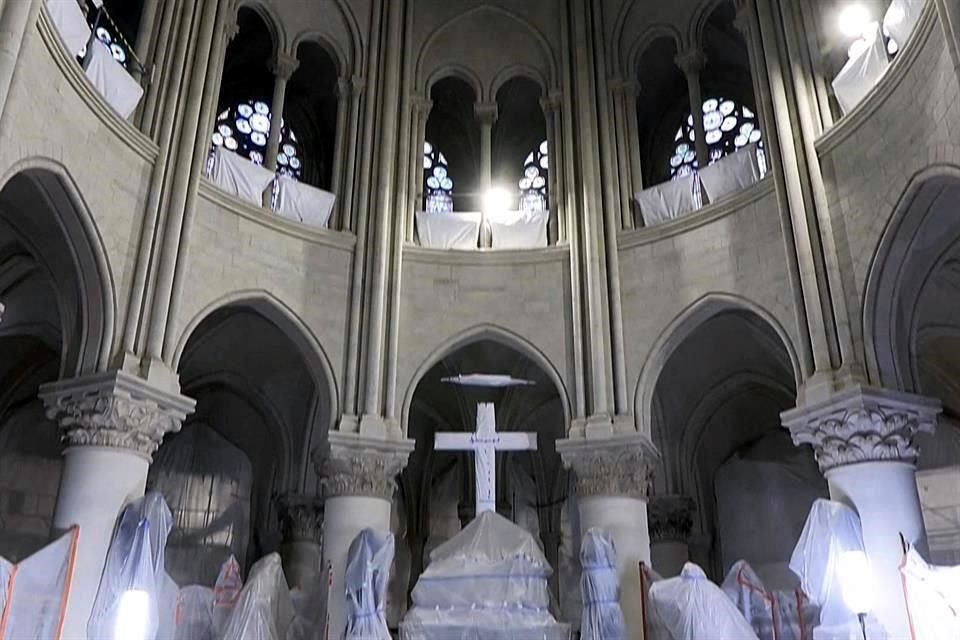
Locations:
(496, 200)
(133, 616)
(854, 20)
(856, 583)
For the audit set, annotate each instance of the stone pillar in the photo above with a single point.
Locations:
(421, 114)
(618, 94)
(112, 423)
(348, 184)
(301, 525)
(691, 62)
(283, 67)
(551, 112)
(337, 177)
(671, 522)
(863, 440)
(358, 478)
(630, 97)
(487, 115)
(148, 20)
(613, 478)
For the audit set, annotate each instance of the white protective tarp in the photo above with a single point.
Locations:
(239, 177)
(111, 80)
(33, 598)
(201, 611)
(831, 531)
(862, 72)
(449, 230)
(600, 589)
(303, 203)
(134, 580)
(653, 626)
(368, 573)
(933, 598)
(70, 22)
(519, 229)
(731, 173)
(667, 200)
(774, 615)
(693, 608)
(901, 17)
(264, 610)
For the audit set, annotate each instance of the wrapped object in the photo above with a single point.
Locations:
(303, 203)
(653, 628)
(226, 592)
(195, 614)
(600, 589)
(111, 80)
(731, 173)
(863, 71)
(519, 229)
(240, 177)
(693, 608)
(459, 231)
(70, 22)
(774, 615)
(666, 201)
(264, 610)
(368, 572)
(933, 598)
(901, 17)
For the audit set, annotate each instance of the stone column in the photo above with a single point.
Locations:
(691, 62)
(283, 67)
(350, 165)
(671, 522)
(551, 111)
(358, 478)
(631, 95)
(863, 440)
(487, 115)
(148, 20)
(613, 478)
(112, 423)
(301, 525)
(422, 108)
(618, 94)
(337, 177)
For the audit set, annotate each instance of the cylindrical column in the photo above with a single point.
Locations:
(863, 440)
(631, 94)
(422, 110)
(283, 66)
(301, 524)
(550, 105)
(691, 62)
(112, 423)
(344, 86)
(350, 167)
(487, 116)
(148, 19)
(618, 90)
(671, 523)
(15, 18)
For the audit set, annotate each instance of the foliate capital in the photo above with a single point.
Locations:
(301, 518)
(115, 409)
(621, 465)
(284, 65)
(671, 518)
(353, 465)
(863, 425)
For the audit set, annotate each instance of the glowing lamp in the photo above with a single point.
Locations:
(133, 616)
(496, 200)
(854, 20)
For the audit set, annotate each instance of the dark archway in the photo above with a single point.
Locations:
(452, 130)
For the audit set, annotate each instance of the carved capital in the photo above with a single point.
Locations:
(344, 88)
(284, 65)
(486, 112)
(115, 409)
(231, 29)
(671, 518)
(359, 82)
(615, 466)
(691, 61)
(353, 465)
(301, 518)
(863, 425)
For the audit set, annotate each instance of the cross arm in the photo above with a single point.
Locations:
(516, 441)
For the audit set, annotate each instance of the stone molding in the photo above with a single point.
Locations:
(862, 424)
(354, 465)
(621, 465)
(115, 409)
(671, 518)
(301, 518)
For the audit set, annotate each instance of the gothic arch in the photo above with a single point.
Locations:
(493, 333)
(700, 18)
(331, 47)
(39, 184)
(273, 23)
(456, 71)
(353, 58)
(640, 45)
(682, 326)
(517, 71)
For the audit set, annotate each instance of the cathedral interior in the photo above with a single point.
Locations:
(246, 244)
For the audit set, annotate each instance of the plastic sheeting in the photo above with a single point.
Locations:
(239, 177)
(901, 17)
(366, 579)
(111, 80)
(202, 612)
(135, 582)
(667, 201)
(70, 22)
(459, 231)
(303, 203)
(34, 593)
(861, 73)
(519, 229)
(654, 628)
(933, 598)
(731, 173)
(264, 610)
(693, 608)
(832, 529)
(774, 615)
(600, 589)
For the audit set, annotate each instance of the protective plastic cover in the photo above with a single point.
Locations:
(832, 529)
(862, 72)
(653, 628)
(774, 615)
(693, 608)
(264, 610)
(901, 17)
(195, 614)
(600, 589)
(933, 598)
(134, 570)
(368, 572)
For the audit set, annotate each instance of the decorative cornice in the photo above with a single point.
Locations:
(301, 518)
(617, 466)
(115, 409)
(353, 465)
(492, 257)
(863, 425)
(284, 65)
(670, 518)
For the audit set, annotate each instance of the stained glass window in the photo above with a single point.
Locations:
(533, 184)
(729, 127)
(110, 34)
(438, 185)
(245, 130)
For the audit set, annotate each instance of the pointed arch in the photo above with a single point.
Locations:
(455, 71)
(643, 42)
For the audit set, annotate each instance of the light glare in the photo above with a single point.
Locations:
(856, 582)
(496, 200)
(133, 616)
(854, 20)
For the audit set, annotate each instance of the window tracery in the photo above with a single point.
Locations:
(245, 129)
(729, 127)
(533, 184)
(438, 185)
(109, 33)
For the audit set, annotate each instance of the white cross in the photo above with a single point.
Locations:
(485, 442)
